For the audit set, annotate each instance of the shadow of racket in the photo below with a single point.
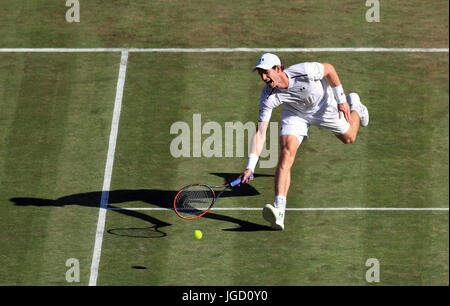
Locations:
(137, 232)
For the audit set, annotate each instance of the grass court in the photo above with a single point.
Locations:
(56, 111)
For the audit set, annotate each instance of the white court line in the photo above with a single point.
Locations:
(212, 50)
(108, 170)
(299, 209)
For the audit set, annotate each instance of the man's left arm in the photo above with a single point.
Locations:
(333, 79)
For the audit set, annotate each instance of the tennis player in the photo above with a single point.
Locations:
(310, 94)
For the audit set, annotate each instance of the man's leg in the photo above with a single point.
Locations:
(352, 131)
(289, 146)
(275, 213)
(360, 117)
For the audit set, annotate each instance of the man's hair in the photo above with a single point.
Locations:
(281, 66)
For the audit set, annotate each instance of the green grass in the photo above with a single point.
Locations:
(55, 118)
(56, 113)
(250, 23)
(317, 248)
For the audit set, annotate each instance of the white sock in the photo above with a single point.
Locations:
(280, 201)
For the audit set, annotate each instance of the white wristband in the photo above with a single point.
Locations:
(339, 94)
(252, 161)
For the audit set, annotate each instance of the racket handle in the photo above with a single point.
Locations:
(238, 181)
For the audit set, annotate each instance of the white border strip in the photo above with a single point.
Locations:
(301, 209)
(211, 50)
(108, 170)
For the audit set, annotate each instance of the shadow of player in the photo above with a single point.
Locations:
(160, 198)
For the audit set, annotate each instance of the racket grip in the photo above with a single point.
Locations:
(238, 181)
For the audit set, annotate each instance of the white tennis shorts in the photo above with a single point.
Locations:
(295, 123)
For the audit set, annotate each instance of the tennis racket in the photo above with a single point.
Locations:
(195, 200)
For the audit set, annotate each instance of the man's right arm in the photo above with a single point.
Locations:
(266, 104)
(257, 145)
(259, 138)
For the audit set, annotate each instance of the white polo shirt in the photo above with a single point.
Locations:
(308, 94)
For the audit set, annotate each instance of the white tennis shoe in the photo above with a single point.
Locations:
(274, 215)
(355, 103)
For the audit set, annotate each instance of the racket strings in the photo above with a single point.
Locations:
(194, 200)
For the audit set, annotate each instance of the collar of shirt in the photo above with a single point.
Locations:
(291, 81)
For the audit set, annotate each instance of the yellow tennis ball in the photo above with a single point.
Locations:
(198, 234)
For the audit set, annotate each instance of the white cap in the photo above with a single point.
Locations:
(267, 61)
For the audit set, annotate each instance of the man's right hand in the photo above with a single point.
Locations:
(246, 176)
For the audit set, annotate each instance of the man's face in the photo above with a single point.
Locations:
(271, 77)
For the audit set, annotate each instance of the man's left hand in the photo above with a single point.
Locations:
(345, 109)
